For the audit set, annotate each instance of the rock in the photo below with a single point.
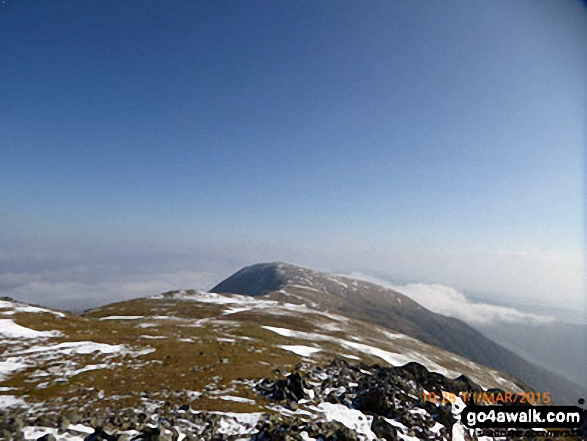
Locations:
(461, 384)
(373, 401)
(383, 392)
(100, 435)
(46, 420)
(63, 423)
(97, 421)
(290, 388)
(383, 429)
(149, 434)
(47, 437)
(73, 417)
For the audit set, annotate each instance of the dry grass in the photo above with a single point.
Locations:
(188, 355)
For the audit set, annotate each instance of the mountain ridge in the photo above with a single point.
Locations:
(383, 306)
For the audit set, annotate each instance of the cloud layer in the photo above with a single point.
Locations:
(453, 303)
(90, 271)
(78, 295)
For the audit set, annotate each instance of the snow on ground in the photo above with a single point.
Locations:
(294, 334)
(210, 297)
(396, 359)
(76, 347)
(436, 428)
(351, 357)
(122, 317)
(237, 399)
(393, 358)
(89, 367)
(272, 306)
(7, 401)
(33, 433)
(61, 360)
(476, 372)
(145, 351)
(492, 374)
(80, 428)
(238, 423)
(457, 406)
(308, 288)
(338, 281)
(351, 418)
(16, 307)
(304, 351)
(9, 366)
(396, 335)
(458, 432)
(239, 303)
(75, 432)
(9, 329)
(332, 327)
(402, 430)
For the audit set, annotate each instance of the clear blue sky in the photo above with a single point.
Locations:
(368, 136)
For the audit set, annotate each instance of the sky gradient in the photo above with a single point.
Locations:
(147, 146)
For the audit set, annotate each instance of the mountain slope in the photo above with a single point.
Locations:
(385, 307)
(213, 358)
(541, 345)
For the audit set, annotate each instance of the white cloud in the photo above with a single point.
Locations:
(522, 275)
(448, 301)
(453, 303)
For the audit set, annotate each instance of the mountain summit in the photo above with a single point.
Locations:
(385, 307)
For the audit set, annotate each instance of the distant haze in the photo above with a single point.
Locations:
(149, 146)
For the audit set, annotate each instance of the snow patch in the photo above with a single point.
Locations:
(10, 329)
(351, 418)
(10, 365)
(304, 351)
(392, 358)
(76, 347)
(238, 423)
(15, 307)
(7, 401)
(237, 399)
(122, 317)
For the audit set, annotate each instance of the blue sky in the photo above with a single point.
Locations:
(440, 142)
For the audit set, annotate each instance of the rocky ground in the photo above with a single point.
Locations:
(337, 401)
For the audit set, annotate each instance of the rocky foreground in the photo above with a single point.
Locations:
(338, 401)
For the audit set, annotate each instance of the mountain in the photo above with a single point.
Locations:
(387, 308)
(190, 365)
(541, 345)
(293, 359)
